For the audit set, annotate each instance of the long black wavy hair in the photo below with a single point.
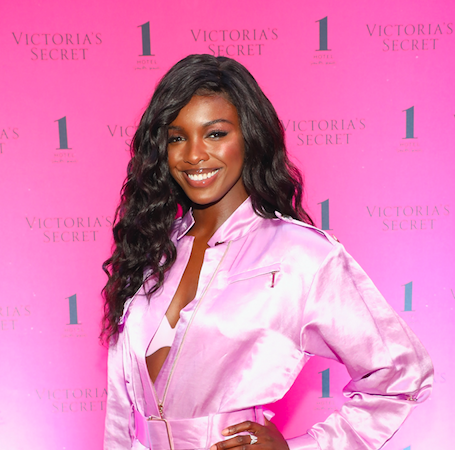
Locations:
(150, 196)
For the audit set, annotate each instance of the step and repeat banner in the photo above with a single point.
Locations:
(367, 97)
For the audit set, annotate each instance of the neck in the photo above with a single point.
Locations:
(208, 218)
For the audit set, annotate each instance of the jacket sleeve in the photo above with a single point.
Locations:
(347, 319)
(119, 406)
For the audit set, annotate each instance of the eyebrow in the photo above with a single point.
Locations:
(213, 122)
(205, 125)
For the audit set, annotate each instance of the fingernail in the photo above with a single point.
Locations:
(213, 447)
(225, 432)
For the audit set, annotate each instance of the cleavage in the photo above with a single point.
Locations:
(185, 293)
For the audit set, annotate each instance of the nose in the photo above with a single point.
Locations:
(195, 152)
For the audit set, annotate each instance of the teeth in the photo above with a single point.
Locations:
(202, 176)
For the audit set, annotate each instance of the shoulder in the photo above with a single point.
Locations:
(320, 250)
(305, 230)
(296, 246)
(296, 236)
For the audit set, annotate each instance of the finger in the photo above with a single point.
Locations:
(236, 442)
(269, 424)
(249, 426)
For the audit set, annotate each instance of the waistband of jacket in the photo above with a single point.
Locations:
(190, 434)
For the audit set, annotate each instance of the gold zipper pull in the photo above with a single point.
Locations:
(161, 410)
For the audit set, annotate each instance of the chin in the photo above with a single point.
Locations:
(203, 202)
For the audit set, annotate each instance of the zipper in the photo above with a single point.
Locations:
(166, 423)
(160, 403)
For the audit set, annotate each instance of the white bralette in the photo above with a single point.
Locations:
(164, 337)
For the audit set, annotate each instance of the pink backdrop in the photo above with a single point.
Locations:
(366, 93)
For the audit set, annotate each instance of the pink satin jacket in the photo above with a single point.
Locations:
(271, 293)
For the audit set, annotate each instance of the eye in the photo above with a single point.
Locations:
(217, 134)
(174, 139)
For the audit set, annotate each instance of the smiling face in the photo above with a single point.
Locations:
(206, 152)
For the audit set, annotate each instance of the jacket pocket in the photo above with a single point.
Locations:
(253, 273)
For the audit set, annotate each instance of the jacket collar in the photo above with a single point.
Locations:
(241, 222)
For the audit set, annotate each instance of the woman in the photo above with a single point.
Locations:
(214, 314)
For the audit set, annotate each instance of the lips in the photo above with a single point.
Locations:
(201, 177)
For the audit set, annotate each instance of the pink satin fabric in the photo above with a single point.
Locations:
(193, 433)
(271, 294)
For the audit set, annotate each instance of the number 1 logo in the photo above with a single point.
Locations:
(73, 309)
(325, 218)
(325, 376)
(408, 296)
(62, 134)
(409, 123)
(323, 41)
(146, 47)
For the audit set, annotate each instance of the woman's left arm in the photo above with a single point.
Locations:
(346, 318)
